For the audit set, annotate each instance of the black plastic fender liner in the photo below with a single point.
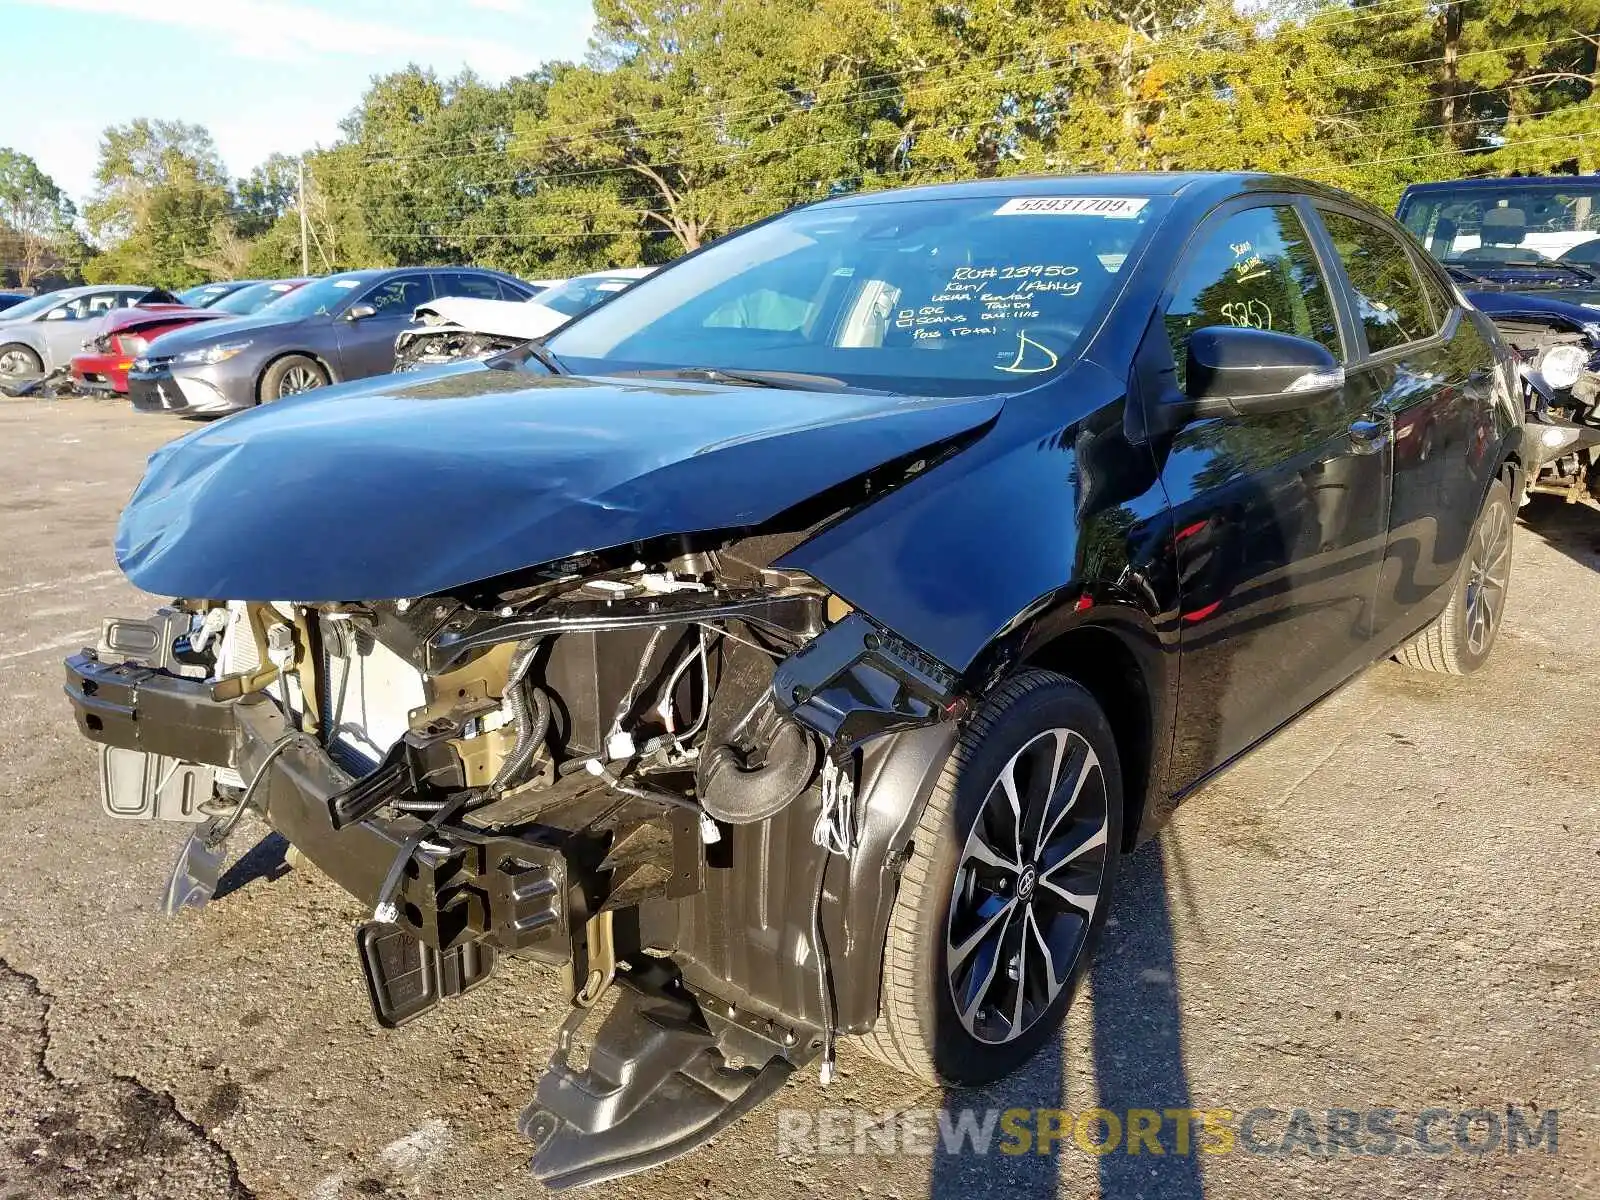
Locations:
(896, 777)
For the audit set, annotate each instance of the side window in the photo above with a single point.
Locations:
(1439, 300)
(1388, 298)
(509, 291)
(1255, 268)
(398, 296)
(460, 283)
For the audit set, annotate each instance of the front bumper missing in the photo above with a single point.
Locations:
(455, 890)
(666, 1072)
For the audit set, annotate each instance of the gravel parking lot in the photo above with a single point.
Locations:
(1392, 905)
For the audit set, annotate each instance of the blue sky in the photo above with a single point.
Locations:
(261, 75)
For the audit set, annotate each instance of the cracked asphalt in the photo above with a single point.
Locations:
(1390, 905)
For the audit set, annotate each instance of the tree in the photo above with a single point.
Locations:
(35, 218)
(265, 195)
(162, 194)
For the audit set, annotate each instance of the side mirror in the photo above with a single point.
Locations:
(1232, 371)
(359, 312)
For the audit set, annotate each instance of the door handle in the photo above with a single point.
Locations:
(1369, 435)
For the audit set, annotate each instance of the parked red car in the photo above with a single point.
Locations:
(127, 333)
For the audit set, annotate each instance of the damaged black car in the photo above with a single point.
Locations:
(791, 648)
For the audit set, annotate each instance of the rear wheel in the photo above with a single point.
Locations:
(1460, 639)
(17, 359)
(291, 375)
(1006, 889)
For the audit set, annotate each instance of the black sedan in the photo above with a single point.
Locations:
(795, 643)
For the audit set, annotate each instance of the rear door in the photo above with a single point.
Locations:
(1280, 518)
(1430, 371)
(366, 346)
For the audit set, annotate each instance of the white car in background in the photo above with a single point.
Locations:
(453, 328)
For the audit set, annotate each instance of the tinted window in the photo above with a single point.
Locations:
(966, 294)
(460, 283)
(510, 291)
(398, 296)
(1439, 300)
(1388, 298)
(1255, 268)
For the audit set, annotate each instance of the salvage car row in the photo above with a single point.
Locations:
(790, 647)
(219, 348)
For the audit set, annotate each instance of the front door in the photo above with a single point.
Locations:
(366, 346)
(1278, 519)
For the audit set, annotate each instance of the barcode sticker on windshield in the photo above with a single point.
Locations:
(1072, 206)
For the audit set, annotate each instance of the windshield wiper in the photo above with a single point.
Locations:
(1466, 275)
(1551, 264)
(533, 348)
(1571, 268)
(798, 381)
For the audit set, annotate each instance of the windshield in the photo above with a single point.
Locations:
(248, 300)
(205, 295)
(582, 294)
(1511, 226)
(321, 297)
(33, 307)
(960, 296)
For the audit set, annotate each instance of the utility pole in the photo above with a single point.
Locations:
(305, 245)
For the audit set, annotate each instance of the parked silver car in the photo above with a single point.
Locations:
(44, 333)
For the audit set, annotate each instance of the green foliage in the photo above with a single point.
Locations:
(36, 232)
(162, 195)
(691, 118)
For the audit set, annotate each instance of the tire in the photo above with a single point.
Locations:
(1459, 640)
(17, 359)
(289, 376)
(920, 1030)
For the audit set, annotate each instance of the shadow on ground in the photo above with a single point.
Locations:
(1138, 1063)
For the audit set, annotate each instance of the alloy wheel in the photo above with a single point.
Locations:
(1488, 572)
(297, 380)
(1029, 879)
(15, 362)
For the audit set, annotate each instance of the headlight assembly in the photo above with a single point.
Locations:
(211, 355)
(1561, 365)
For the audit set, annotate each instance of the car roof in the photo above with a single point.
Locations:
(1500, 182)
(1198, 187)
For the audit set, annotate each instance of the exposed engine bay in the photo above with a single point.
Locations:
(1563, 368)
(637, 772)
(442, 341)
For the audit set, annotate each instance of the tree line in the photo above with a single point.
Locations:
(691, 118)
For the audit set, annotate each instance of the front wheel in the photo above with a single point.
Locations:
(291, 375)
(17, 359)
(1459, 640)
(1006, 888)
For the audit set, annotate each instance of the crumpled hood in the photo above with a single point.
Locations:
(502, 318)
(409, 485)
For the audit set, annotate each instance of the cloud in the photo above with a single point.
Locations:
(279, 31)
